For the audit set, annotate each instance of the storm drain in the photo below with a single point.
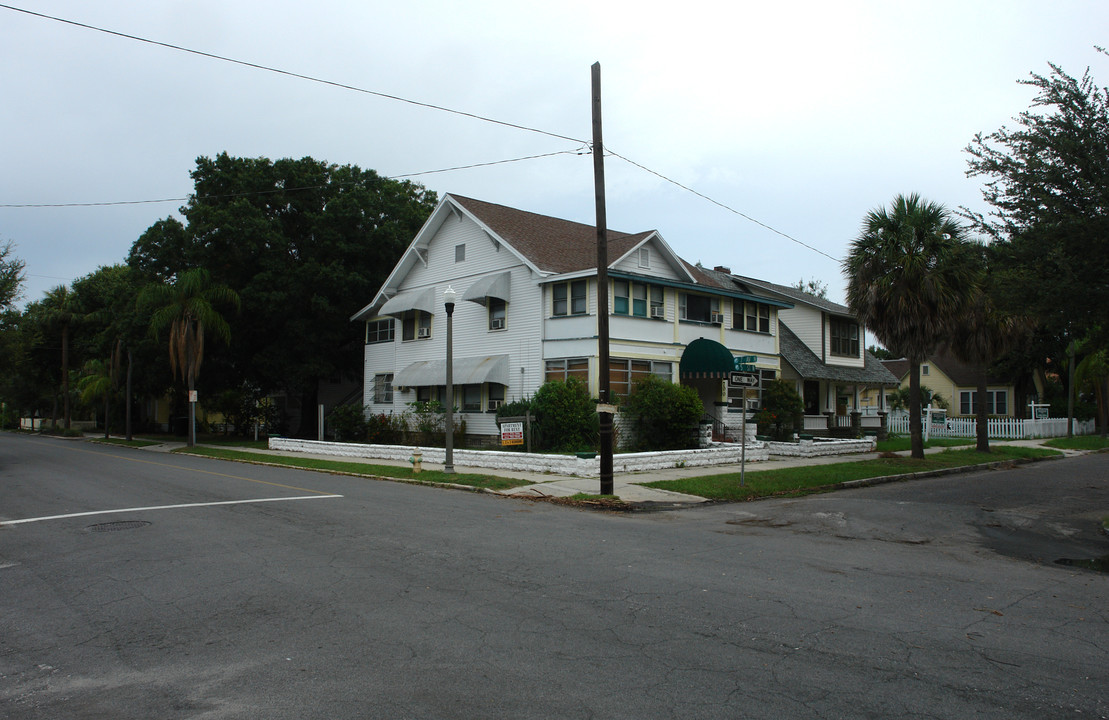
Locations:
(117, 526)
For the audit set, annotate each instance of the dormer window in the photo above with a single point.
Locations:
(844, 337)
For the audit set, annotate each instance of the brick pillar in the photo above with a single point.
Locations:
(856, 423)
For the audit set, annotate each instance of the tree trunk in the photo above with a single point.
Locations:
(191, 442)
(916, 428)
(982, 419)
(65, 375)
(1070, 391)
(127, 421)
(309, 399)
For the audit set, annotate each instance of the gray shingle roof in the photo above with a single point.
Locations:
(796, 295)
(810, 367)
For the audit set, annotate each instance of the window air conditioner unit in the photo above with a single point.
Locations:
(717, 318)
(423, 333)
(494, 404)
(497, 324)
(659, 312)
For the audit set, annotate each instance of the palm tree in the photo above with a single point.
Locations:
(61, 310)
(907, 278)
(187, 308)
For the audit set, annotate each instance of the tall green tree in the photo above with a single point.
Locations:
(907, 278)
(62, 314)
(11, 275)
(980, 334)
(305, 244)
(1047, 181)
(187, 309)
(113, 322)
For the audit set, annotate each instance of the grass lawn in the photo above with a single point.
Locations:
(807, 479)
(137, 442)
(901, 443)
(1079, 442)
(491, 482)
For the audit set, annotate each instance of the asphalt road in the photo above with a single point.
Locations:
(306, 595)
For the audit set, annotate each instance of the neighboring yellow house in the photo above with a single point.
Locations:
(957, 384)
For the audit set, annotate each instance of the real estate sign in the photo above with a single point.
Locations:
(512, 433)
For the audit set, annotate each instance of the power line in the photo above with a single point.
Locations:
(580, 151)
(289, 73)
(387, 96)
(720, 204)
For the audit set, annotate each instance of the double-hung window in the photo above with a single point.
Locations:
(844, 337)
(699, 308)
(498, 313)
(569, 298)
(415, 325)
(997, 402)
(630, 298)
(623, 373)
(562, 370)
(379, 331)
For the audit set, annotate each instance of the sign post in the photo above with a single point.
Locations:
(744, 376)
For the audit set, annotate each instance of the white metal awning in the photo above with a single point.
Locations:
(465, 371)
(491, 286)
(411, 300)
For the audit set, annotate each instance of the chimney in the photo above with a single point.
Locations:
(723, 269)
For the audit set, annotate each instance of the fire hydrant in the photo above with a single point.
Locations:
(417, 462)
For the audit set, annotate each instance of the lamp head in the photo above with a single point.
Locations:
(449, 298)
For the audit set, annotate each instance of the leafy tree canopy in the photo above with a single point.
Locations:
(11, 275)
(1048, 185)
(304, 244)
(813, 287)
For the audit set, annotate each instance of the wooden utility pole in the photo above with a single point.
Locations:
(604, 408)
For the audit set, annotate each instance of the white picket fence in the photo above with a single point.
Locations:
(1001, 428)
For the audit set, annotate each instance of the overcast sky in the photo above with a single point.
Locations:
(800, 115)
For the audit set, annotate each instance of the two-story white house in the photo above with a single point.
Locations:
(823, 351)
(527, 313)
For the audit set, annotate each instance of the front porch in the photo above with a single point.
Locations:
(850, 425)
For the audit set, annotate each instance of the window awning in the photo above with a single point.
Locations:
(492, 286)
(465, 371)
(705, 358)
(411, 300)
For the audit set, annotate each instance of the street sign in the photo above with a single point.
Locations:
(745, 360)
(742, 379)
(741, 367)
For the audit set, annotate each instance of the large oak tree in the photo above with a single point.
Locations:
(305, 244)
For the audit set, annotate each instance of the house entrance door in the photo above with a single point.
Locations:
(812, 397)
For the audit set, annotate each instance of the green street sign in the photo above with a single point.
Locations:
(744, 367)
(746, 359)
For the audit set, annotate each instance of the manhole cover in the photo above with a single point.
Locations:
(118, 525)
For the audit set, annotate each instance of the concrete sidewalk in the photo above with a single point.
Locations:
(629, 487)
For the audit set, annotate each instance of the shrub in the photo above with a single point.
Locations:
(347, 423)
(426, 416)
(566, 417)
(382, 429)
(663, 415)
(781, 406)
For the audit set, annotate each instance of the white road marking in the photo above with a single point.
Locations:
(163, 507)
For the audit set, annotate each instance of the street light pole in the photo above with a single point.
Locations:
(449, 298)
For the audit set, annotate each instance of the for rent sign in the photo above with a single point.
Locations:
(512, 433)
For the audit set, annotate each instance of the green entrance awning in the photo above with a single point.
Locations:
(705, 359)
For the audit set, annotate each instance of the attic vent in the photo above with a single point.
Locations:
(723, 269)
(644, 257)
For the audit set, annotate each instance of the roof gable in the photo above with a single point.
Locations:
(552, 245)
